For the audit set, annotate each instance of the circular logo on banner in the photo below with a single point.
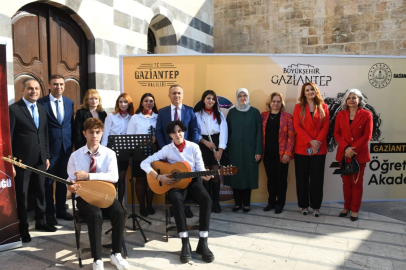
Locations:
(380, 75)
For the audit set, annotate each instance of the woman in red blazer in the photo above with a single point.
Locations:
(311, 121)
(353, 130)
(278, 140)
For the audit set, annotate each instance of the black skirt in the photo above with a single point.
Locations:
(208, 155)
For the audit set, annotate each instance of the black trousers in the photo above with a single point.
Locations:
(242, 196)
(196, 191)
(309, 180)
(94, 219)
(58, 167)
(22, 182)
(277, 174)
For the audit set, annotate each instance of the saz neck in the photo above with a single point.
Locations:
(48, 175)
(194, 174)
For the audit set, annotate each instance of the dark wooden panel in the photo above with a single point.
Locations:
(74, 92)
(68, 52)
(30, 47)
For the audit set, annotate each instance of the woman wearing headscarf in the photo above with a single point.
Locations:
(244, 149)
(353, 130)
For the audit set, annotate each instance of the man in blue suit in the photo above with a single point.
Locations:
(177, 111)
(60, 125)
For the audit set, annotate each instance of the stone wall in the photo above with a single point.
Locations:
(361, 27)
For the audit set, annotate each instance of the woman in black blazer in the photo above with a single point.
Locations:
(91, 107)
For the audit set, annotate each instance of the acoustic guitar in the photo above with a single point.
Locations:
(181, 172)
(96, 192)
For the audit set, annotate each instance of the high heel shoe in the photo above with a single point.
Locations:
(354, 218)
(342, 214)
(236, 208)
(305, 211)
(316, 214)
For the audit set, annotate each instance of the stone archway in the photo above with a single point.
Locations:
(46, 41)
(164, 32)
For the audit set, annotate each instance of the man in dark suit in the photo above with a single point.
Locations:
(60, 126)
(29, 140)
(177, 111)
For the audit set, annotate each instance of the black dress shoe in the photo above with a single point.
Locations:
(51, 220)
(203, 249)
(269, 207)
(185, 252)
(143, 212)
(65, 216)
(236, 208)
(188, 212)
(25, 237)
(278, 209)
(344, 214)
(245, 209)
(45, 227)
(216, 207)
(353, 218)
(150, 210)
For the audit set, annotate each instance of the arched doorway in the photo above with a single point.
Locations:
(47, 41)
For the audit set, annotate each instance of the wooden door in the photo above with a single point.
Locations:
(47, 41)
(30, 46)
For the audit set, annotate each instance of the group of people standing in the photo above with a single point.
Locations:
(199, 136)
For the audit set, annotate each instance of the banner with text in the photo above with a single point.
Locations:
(381, 79)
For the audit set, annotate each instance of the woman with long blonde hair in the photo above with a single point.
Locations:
(91, 107)
(311, 121)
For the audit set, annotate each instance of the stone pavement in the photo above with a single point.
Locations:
(257, 240)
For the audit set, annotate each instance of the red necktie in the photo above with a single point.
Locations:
(176, 117)
(92, 168)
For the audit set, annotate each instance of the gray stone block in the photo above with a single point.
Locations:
(121, 19)
(106, 2)
(5, 26)
(168, 40)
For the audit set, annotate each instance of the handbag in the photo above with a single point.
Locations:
(349, 168)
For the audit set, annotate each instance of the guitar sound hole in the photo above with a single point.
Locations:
(174, 172)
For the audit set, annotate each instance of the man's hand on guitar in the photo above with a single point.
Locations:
(207, 177)
(166, 180)
(81, 175)
(73, 188)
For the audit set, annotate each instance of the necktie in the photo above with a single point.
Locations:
(35, 115)
(176, 116)
(58, 113)
(92, 168)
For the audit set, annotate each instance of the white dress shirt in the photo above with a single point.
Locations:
(106, 164)
(173, 112)
(191, 154)
(140, 124)
(114, 125)
(60, 106)
(213, 126)
(28, 104)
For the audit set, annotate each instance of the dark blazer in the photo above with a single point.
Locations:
(26, 139)
(187, 116)
(312, 128)
(81, 116)
(357, 135)
(60, 135)
(286, 134)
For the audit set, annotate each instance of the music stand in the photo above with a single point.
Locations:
(132, 147)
